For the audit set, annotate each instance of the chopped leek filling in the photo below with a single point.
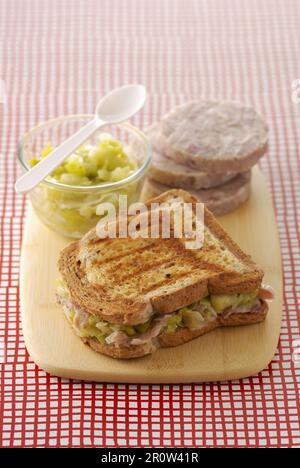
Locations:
(74, 212)
(91, 165)
(191, 317)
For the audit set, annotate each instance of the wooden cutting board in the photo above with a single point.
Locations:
(223, 354)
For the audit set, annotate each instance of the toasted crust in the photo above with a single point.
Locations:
(181, 336)
(219, 200)
(189, 136)
(158, 274)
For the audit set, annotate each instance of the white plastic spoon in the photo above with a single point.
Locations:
(115, 107)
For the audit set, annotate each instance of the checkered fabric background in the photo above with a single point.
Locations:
(59, 57)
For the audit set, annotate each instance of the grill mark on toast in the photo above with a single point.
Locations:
(155, 244)
(190, 267)
(115, 274)
(132, 250)
(146, 263)
(125, 254)
(97, 240)
(173, 250)
(158, 285)
(148, 268)
(206, 269)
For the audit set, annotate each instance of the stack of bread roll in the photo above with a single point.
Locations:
(207, 148)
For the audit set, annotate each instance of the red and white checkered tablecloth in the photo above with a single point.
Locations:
(59, 57)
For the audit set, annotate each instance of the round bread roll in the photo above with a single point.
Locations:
(219, 200)
(169, 172)
(214, 136)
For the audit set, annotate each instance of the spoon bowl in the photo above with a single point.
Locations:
(121, 104)
(117, 106)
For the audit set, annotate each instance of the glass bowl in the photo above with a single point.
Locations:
(71, 209)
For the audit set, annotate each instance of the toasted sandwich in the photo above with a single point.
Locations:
(126, 297)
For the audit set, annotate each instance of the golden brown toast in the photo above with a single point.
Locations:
(125, 281)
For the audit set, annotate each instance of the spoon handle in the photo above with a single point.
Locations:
(39, 172)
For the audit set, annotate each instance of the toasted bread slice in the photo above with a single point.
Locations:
(126, 281)
(181, 336)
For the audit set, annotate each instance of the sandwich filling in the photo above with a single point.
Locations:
(192, 317)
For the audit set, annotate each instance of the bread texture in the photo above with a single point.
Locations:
(214, 136)
(126, 281)
(183, 335)
(219, 200)
(170, 173)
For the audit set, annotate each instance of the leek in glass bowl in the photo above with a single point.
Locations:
(111, 163)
